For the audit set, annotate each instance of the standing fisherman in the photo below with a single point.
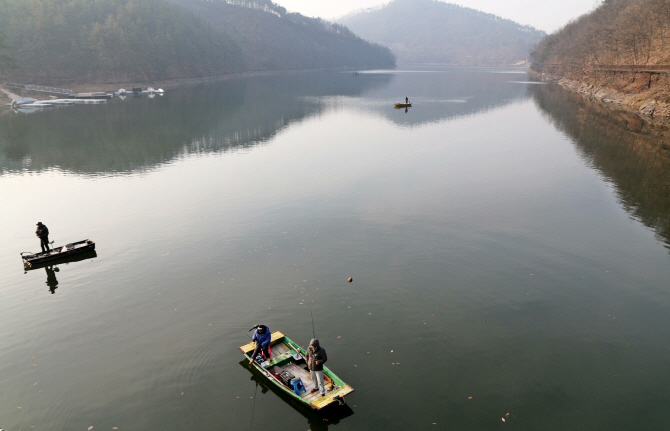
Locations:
(406, 100)
(42, 233)
(316, 357)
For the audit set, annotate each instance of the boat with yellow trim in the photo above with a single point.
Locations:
(287, 370)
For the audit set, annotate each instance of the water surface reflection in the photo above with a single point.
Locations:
(140, 134)
(51, 267)
(632, 154)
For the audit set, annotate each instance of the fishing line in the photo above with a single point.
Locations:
(254, 407)
(234, 413)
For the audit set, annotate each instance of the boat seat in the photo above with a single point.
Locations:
(297, 386)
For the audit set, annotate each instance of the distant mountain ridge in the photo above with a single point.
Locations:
(273, 39)
(430, 31)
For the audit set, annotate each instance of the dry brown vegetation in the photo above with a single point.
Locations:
(620, 51)
(618, 32)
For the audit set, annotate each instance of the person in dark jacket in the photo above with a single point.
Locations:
(42, 233)
(316, 357)
(261, 338)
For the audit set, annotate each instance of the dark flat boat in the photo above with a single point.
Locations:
(91, 254)
(403, 105)
(33, 259)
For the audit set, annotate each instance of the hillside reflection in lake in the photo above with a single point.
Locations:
(632, 154)
(507, 244)
(138, 134)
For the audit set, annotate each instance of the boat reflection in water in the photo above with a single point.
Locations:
(51, 267)
(317, 419)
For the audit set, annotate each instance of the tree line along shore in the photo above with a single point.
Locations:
(70, 42)
(619, 53)
(64, 43)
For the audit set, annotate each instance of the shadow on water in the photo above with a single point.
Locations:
(317, 420)
(51, 267)
(127, 136)
(632, 154)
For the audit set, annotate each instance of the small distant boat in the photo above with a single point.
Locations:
(403, 105)
(287, 370)
(356, 73)
(31, 259)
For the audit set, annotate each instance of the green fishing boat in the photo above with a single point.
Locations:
(287, 370)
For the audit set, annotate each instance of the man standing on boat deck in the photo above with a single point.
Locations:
(262, 338)
(43, 234)
(316, 357)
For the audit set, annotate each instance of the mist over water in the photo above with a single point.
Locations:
(507, 243)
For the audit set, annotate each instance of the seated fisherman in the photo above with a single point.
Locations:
(261, 338)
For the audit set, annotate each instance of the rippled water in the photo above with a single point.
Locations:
(508, 244)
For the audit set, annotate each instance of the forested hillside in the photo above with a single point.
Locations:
(112, 40)
(272, 39)
(618, 32)
(7, 61)
(428, 31)
(97, 41)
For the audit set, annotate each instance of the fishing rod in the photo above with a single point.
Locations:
(313, 332)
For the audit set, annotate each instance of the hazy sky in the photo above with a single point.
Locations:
(547, 15)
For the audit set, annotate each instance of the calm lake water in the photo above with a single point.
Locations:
(508, 244)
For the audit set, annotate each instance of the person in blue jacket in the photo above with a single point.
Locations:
(261, 338)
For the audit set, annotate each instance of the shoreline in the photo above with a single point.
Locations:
(7, 95)
(644, 102)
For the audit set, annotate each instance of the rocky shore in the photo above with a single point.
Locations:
(649, 97)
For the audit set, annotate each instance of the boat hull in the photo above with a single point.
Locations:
(403, 105)
(91, 254)
(58, 253)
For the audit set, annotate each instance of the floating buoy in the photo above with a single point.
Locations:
(350, 279)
